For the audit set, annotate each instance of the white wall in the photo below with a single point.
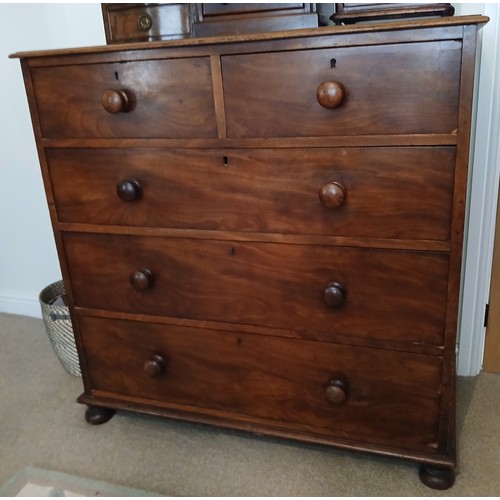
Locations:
(468, 9)
(28, 259)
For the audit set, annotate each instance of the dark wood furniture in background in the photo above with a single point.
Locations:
(347, 13)
(264, 232)
(241, 18)
(125, 22)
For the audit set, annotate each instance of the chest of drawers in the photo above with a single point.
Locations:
(265, 232)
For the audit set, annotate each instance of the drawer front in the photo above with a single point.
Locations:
(381, 294)
(165, 98)
(149, 22)
(392, 193)
(389, 397)
(391, 89)
(221, 9)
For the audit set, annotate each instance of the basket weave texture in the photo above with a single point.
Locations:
(59, 328)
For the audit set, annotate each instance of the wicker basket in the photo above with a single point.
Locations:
(59, 328)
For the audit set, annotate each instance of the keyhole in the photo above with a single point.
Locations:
(225, 161)
(116, 75)
(333, 63)
(232, 251)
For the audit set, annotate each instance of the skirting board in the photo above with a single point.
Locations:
(15, 303)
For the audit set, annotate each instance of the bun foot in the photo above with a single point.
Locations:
(438, 478)
(96, 415)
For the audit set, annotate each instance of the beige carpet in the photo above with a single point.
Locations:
(41, 426)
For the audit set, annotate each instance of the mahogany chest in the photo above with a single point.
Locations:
(264, 232)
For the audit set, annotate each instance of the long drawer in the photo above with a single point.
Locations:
(368, 293)
(406, 88)
(368, 192)
(370, 395)
(115, 100)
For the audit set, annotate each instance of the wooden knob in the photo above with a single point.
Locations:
(334, 294)
(332, 195)
(330, 94)
(115, 101)
(142, 279)
(155, 366)
(128, 190)
(336, 392)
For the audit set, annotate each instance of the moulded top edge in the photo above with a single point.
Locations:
(279, 35)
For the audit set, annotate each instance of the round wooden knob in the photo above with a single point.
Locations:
(330, 94)
(115, 101)
(142, 279)
(332, 195)
(155, 366)
(336, 392)
(128, 190)
(334, 294)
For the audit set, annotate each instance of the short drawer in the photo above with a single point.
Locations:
(304, 290)
(396, 193)
(147, 22)
(163, 98)
(410, 88)
(371, 395)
